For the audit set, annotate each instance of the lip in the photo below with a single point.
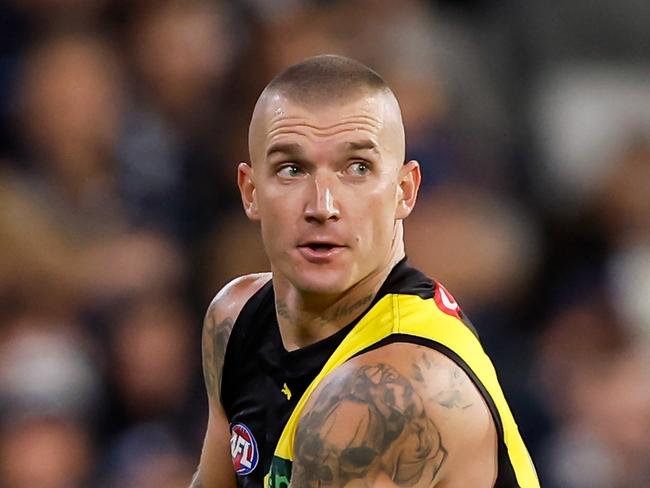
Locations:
(320, 256)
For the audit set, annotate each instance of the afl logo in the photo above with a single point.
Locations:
(243, 449)
(446, 302)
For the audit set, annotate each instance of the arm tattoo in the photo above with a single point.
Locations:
(451, 396)
(369, 423)
(215, 341)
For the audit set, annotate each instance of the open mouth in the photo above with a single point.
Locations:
(318, 246)
(320, 252)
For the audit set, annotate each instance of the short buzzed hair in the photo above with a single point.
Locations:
(325, 78)
(322, 81)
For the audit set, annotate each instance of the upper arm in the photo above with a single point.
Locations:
(402, 415)
(215, 468)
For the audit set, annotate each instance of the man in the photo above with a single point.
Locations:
(344, 366)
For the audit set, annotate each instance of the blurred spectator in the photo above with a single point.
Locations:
(584, 116)
(50, 399)
(622, 197)
(50, 259)
(121, 125)
(149, 456)
(152, 422)
(65, 230)
(455, 121)
(45, 452)
(630, 278)
(596, 381)
(151, 358)
(170, 151)
(46, 367)
(182, 52)
(72, 96)
(623, 207)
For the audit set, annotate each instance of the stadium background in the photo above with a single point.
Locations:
(121, 123)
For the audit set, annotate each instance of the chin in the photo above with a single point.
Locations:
(322, 281)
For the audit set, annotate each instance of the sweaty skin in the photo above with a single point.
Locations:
(332, 175)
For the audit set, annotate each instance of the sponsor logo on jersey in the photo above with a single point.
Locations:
(243, 449)
(446, 302)
(279, 475)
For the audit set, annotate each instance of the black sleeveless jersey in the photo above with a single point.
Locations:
(263, 383)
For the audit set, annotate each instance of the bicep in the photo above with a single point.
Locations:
(367, 426)
(216, 333)
(215, 466)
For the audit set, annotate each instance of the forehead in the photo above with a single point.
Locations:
(372, 116)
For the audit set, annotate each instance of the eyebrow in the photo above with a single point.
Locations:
(295, 149)
(365, 144)
(290, 148)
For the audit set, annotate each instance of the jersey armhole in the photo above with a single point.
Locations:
(237, 340)
(506, 474)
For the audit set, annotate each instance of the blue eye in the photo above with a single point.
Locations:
(359, 168)
(289, 171)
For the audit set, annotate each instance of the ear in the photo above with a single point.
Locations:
(246, 185)
(407, 192)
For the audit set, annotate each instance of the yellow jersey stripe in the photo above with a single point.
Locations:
(411, 315)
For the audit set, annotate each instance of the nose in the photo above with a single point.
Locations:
(321, 205)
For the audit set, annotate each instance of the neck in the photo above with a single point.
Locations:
(306, 318)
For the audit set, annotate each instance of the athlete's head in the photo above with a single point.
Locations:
(327, 177)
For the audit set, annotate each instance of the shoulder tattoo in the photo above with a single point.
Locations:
(453, 395)
(369, 424)
(215, 340)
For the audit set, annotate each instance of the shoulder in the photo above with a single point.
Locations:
(219, 321)
(447, 393)
(411, 415)
(229, 301)
(227, 304)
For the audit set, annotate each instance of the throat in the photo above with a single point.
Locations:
(305, 319)
(301, 326)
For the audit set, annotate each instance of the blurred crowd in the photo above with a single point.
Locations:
(121, 125)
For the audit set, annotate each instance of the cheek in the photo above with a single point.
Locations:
(270, 223)
(278, 217)
(376, 213)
